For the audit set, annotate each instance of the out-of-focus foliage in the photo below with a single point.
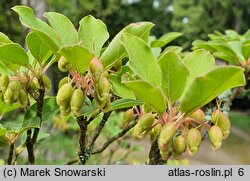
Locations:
(9, 23)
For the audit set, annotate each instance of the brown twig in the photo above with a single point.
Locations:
(11, 153)
(111, 140)
(154, 154)
(30, 142)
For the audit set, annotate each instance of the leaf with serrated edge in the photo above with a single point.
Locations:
(206, 88)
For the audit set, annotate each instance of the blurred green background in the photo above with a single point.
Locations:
(194, 18)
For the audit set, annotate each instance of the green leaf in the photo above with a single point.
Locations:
(38, 48)
(200, 44)
(225, 57)
(206, 88)
(246, 51)
(236, 46)
(198, 64)
(50, 108)
(4, 39)
(92, 34)
(115, 51)
(4, 108)
(174, 75)
(63, 28)
(165, 39)
(222, 47)
(148, 93)
(120, 89)
(29, 124)
(3, 130)
(78, 56)
(141, 59)
(13, 54)
(3, 142)
(124, 103)
(3, 69)
(42, 29)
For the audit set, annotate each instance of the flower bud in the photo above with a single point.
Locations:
(193, 141)
(15, 87)
(144, 125)
(77, 101)
(34, 84)
(63, 81)
(215, 136)
(96, 68)
(23, 98)
(8, 96)
(63, 64)
(46, 82)
(179, 145)
(155, 131)
(104, 86)
(198, 114)
(64, 95)
(4, 82)
(127, 117)
(222, 120)
(165, 138)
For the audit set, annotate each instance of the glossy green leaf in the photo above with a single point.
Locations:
(124, 103)
(198, 64)
(148, 93)
(92, 34)
(141, 59)
(115, 51)
(63, 28)
(174, 75)
(207, 87)
(4, 39)
(42, 29)
(13, 54)
(165, 39)
(78, 56)
(39, 50)
(246, 51)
